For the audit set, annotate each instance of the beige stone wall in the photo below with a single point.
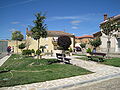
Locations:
(83, 40)
(44, 42)
(14, 46)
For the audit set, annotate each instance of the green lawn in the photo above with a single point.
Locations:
(25, 71)
(79, 55)
(113, 62)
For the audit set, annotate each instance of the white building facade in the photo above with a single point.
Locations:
(114, 37)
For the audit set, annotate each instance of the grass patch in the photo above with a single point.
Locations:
(114, 62)
(79, 55)
(25, 71)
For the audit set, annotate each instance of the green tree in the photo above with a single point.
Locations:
(96, 42)
(108, 28)
(40, 29)
(83, 45)
(17, 35)
(22, 46)
(64, 42)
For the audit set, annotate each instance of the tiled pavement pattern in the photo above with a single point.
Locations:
(101, 72)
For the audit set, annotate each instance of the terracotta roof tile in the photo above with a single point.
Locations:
(85, 36)
(112, 18)
(53, 33)
(58, 33)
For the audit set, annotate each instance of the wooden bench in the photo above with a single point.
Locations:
(62, 57)
(99, 56)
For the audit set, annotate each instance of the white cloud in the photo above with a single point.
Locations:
(12, 30)
(65, 17)
(74, 27)
(15, 22)
(23, 25)
(75, 22)
(14, 4)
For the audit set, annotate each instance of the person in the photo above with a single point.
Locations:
(12, 49)
(8, 49)
(94, 50)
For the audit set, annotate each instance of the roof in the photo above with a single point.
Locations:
(54, 33)
(58, 33)
(117, 17)
(97, 34)
(85, 36)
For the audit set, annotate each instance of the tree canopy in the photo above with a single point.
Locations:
(40, 29)
(83, 45)
(109, 26)
(64, 42)
(22, 46)
(96, 42)
(17, 36)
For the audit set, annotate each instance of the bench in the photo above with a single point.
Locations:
(99, 56)
(62, 57)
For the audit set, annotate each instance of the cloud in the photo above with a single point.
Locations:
(64, 17)
(75, 22)
(80, 18)
(74, 27)
(15, 22)
(19, 3)
(23, 25)
(12, 30)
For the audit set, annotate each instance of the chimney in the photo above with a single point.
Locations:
(105, 17)
(26, 30)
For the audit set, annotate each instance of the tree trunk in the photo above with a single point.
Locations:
(38, 47)
(17, 46)
(63, 53)
(108, 46)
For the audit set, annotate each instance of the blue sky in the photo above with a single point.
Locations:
(81, 17)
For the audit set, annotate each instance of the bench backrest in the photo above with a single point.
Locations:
(60, 55)
(100, 54)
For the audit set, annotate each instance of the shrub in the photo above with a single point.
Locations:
(88, 50)
(26, 52)
(38, 52)
(83, 45)
(96, 42)
(33, 51)
(22, 46)
(70, 49)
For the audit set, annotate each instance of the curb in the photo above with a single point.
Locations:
(79, 83)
